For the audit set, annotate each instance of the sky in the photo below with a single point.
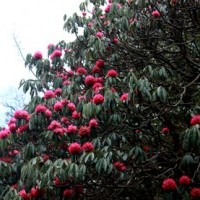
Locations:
(34, 24)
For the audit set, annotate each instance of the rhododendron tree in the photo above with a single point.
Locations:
(113, 114)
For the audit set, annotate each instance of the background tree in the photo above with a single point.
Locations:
(114, 114)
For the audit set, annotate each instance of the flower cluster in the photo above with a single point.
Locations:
(120, 166)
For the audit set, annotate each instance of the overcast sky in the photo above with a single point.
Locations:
(35, 24)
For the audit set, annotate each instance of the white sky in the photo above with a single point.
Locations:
(35, 23)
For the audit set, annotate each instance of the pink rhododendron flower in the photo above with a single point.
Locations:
(37, 55)
(96, 87)
(90, 24)
(54, 124)
(4, 133)
(96, 69)
(88, 146)
(40, 108)
(65, 120)
(49, 94)
(169, 184)
(184, 180)
(195, 193)
(67, 82)
(22, 128)
(108, 7)
(120, 166)
(156, 13)
(74, 148)
(112, 73)
(89, 80)
(34, 192)
(93, 123)
(81, 71)
(64, 102)
(59, 131)
(99, 34)
(84, 131)
(124, 97)
(12, 120)
(21, 114)
(165, 130)
(84, 14)
(24, 195)
(100, 63)
(6, 159)
(72, 129)
(48, 113)
(195, 120)
(98, 80)
(76, 115)
(56, 54)
(68, 193)
(12, 127)
(98, 98)
(58, 91)
(58, 106)
(115, 40)
(71, 106)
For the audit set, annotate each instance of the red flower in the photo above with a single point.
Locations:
(98, 98)
(165, 130)
(107, 9)
(22, 128)
(76, 115)
(169, 184)
(58, 91)
(54, 124)
(195, 120)
(88, 146)
(68, 193)
(100, 63)
(115, 40)
(96, 69)
(195, 193)
(72, 129)
(40, 108)
(89, 80)
(71, 106)
(21, 114)
(4, 133)
(81, 71)
(99, 34)
(120, 166)
(34, 192)
(93, 123)
(156, 13)
(112, 73)
(84, 131)
(65, 120)
(84, 14)
(48, 113)
(58, 106)
(45, 157)
(49, 94)
(184, 180)
(57, 181)
(24, 195)
(124, 97)
(56, 54)
(37, 55)
(74, 148)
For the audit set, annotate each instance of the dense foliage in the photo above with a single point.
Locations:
(114, 114)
